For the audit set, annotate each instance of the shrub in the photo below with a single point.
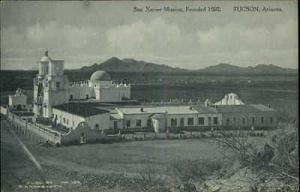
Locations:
(195, 169)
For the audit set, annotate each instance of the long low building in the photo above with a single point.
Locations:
(162, 117)
(247, 115)
(101, 116)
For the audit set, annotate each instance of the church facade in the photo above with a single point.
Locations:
(52, 87)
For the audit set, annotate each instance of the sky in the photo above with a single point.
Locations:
(83, 33)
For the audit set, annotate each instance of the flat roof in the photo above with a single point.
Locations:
(158, 109)
(262, 107)
(81, 109)
(243, 108)
(202, 109)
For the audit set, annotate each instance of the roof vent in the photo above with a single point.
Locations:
(142, 109)
(191, 108)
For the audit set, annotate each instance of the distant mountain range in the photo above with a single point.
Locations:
(115, 64)
(258, 69)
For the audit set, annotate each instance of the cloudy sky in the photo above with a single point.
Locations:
(83, 33)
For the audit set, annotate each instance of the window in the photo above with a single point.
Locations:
(87, 96)
(209, 121)
(190, 121)
(181, 121)
(244, 121)
(138, 123)
(67, 121)
(215, 120)
(262, 120)
(71, 97)
(173, 122)
(253, 120)
(57, 84)
(127, 123)
(271, 120)
(64, 120)
(227, 121)
(201, 120)
(73, 123)
(115, 125)
(97, 126)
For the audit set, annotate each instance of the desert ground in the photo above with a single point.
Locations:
(107, 166)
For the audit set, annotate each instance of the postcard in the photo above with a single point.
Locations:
(156, 96)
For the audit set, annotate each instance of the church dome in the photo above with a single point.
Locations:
(100, 76)
(45, 58)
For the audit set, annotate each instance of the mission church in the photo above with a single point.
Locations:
(99, 104)
(51, 87)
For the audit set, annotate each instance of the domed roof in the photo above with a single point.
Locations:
(100, 76)
(45, 59)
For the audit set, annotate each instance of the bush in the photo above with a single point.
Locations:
(195, 169)
(286, 152)
(278, 158)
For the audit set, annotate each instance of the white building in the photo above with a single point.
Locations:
(93, 103)
(162, 117)
(159, 118)
(230, 99)
(52, 87)
(18, 101)
(70, 115)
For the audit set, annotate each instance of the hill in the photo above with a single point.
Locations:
(117, 65)
(224, 68)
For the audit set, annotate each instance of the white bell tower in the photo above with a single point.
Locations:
(50, 86)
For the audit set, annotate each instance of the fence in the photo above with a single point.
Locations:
(43, 133)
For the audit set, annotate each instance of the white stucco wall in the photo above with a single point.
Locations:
(134, 117)
(56, 67)
(179, 116)
(230, 99)
(206, 121)
(14, 100)
(144, 118)
(103, 121)
(71, 120)
(119, 124)
(81, 91)
(112, 94)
